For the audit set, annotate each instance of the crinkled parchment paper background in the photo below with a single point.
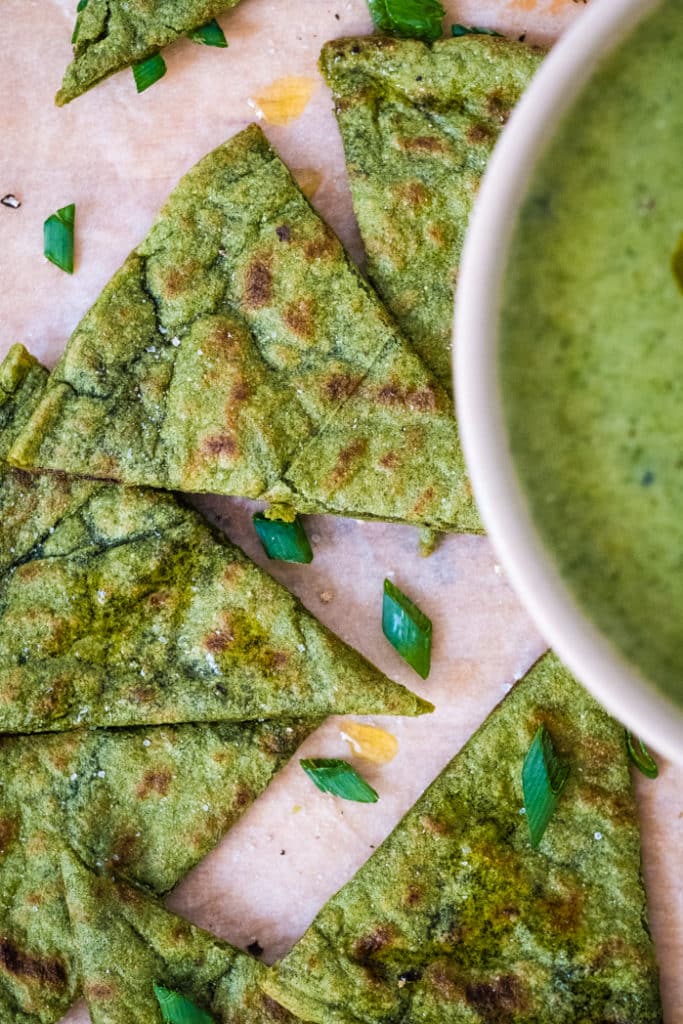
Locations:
(117, 155)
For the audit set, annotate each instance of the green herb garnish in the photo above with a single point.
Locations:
(147, 72)
(58, 238)
(409, 19)
(472, 30)
(286, 542)
(82, 4)
(176, 1009)
(641, 756)
(543, 778)
(338, 778)
(210, 34)
(407, 629)
(677, 263)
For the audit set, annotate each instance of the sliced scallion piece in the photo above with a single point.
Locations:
(176, 1009)
(58, 238)
(472, 30)
(210, 34)
(82, 4)
(407, 629)
(283, 541)
(543, 778)
(147, 72)
(339, 778)
(641, 756)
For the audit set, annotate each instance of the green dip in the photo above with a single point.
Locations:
(592, 348)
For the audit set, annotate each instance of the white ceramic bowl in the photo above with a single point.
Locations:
(529, 565)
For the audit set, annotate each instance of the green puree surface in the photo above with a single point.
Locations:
(592, 348)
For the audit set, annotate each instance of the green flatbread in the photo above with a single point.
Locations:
(121, 606)
(457, 920)
(113, 34)
(126, 942)
(147, 803)
(237, 351)
(418, 123)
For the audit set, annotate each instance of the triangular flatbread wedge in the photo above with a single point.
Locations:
(418, 123)
(126, 942)
(121, 606)
(457, 920)
(147, 803)
(223, 354)
(110, 35)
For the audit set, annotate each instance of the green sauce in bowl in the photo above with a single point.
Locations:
(592, 348)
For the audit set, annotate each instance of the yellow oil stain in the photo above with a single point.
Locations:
(521, 5)
(370, 742)
(309, 181)
(296, 808)
(283, 100)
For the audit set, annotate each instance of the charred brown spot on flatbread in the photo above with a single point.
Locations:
(48, 971)
(436, 826)
(98, 991)
(155, 780)
(390, 460)
(276, 660)
(413, 896)
(299, 318)
(422, 399)
(347, 456)
(440, 980)
(424, 501)
(501, 994)
(258, 289)
(283, 232)
(412, 193)
(274, 1011)
(179, 279)
(325, 244)
(9, 829)
(367, 946)
(498, 106)
(159, 599)
(425, 144)
(480, 132)
(219, 444)
(339, 386)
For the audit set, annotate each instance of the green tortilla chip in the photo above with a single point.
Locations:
(457, 920)
(113, 34)
(121, 606)
(126, 942)
(418, 123)
(148, 803)
(237, 351)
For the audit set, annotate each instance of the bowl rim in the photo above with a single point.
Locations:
(589, 654)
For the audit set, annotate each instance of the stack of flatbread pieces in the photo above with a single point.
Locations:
(121, 607)
(238, 352)
(110, 35)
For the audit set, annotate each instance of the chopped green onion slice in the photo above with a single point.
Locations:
(641, 756)
(407, 629)
(147, 72)
(286, 542)
(338, 778)
(472, 30)
(543, 778)
(210, 34)
(411, 19)
(176, 1009)
(677, 263)
(82, 4)
(58, 238)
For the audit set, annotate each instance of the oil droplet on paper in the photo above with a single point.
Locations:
(309, 181)
(283, 100)
(370, 742)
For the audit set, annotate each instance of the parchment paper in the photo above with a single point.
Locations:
(117, 155)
